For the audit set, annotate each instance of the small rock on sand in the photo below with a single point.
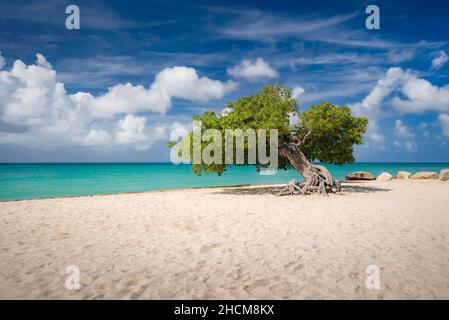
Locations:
(360, 175)
(384, 176)
(444, 175)
(425, 175)
(404, 175)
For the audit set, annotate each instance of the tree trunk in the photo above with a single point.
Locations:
(316, 177)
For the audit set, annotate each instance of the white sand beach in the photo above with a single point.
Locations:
(231, 243)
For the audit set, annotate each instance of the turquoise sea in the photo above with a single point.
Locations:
(43, 180)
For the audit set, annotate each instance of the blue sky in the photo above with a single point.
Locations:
(135, 71)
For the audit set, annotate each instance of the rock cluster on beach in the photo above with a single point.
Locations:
(401, 175)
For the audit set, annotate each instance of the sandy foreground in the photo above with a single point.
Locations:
(231, 243)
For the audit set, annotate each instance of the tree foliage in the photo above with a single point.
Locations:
(332, 133)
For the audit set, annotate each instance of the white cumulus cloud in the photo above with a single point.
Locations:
(402, 130)
(418, 96)
(422, 96)
(176, 82)
(131, 131)
(297, 92)
(406, 135)
(371, 105)
(253, 70)
(440, 61)
(97, 138)
(43, 114)
(42, 62)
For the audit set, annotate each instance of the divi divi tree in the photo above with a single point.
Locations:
(323, 133)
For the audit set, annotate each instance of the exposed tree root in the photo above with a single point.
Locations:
(317, 179)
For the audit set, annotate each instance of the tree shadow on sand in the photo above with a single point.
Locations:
(274, 190)
(350, 188)
(242, 191)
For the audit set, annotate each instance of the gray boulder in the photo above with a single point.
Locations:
(384, 176)
(360, 175)
(444, 175)
(425, 176)
(404, 175)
